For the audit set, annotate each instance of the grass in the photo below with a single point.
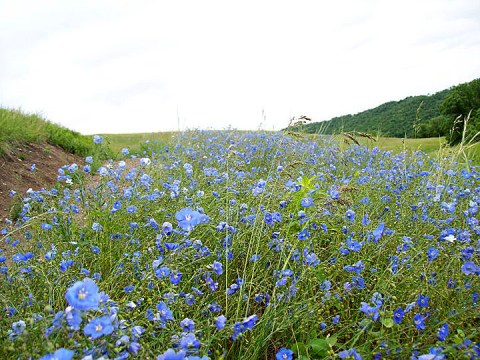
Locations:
(18, 128)
(304, 245)
(137, 143)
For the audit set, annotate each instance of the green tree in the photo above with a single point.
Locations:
(462, 100)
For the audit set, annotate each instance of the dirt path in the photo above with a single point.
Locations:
(16, 173)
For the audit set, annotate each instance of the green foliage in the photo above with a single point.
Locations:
(463, 100)
(439, 126)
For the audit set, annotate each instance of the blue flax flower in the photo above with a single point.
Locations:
(284, 354)
(422, 301)
(83, 295)
(187, 325)
(419, 322)
(189, 342)
(469, 268)
(170, 354)
(350, 215)
(398, 316)
(240, 327)
(188, 219)
(220, 322)
(60, 354)
(99, 327)
(307, 202)
(443, 332)
(350, 354)
(217, 268)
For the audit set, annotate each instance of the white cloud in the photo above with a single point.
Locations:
(123, 66)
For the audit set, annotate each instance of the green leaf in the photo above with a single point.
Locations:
(387, 322)
(319, 346)
(332, 340)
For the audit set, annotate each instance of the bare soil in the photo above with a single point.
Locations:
(16, 173)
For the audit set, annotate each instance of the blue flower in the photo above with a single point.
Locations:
(175, 277)
(350, 215)
(187, 325)
(284, 354)
(243, 326)
(83, 295)
(73, 318)
(60, 354)
(99, 327)
(378, 232)
(349, 354)
(97, 139)
(97, 227)
(170, 354)
(188, 219)
(365, 220)
(167, 228)
(217, 268)
(162, 272)
(220, 322)
(165, 312)
(307, 202)
(304, 234)
(422, 301)
(419, 322)
(189, 342)
(432, 253)
(443, 332)
(398, 316)
(358, 282)
(18, 328)
(469, 268)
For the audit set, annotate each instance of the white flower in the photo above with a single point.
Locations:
(145, 161)
(450, 238)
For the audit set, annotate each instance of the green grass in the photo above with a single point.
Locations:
(137, 142)
(18, 128)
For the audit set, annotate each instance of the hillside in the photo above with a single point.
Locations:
(394, 118)
(32, 149)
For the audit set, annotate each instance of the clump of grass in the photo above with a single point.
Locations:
(248, 245)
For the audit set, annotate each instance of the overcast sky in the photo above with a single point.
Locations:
(137, 66)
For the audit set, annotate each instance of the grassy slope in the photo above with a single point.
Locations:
(18, 127)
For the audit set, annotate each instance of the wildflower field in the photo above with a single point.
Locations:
(230, 245)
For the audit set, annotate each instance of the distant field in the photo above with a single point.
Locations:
(136, 143)
(429, 145)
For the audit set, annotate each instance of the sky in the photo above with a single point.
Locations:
(118, 66)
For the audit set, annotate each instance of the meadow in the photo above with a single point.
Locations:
(252, 245)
